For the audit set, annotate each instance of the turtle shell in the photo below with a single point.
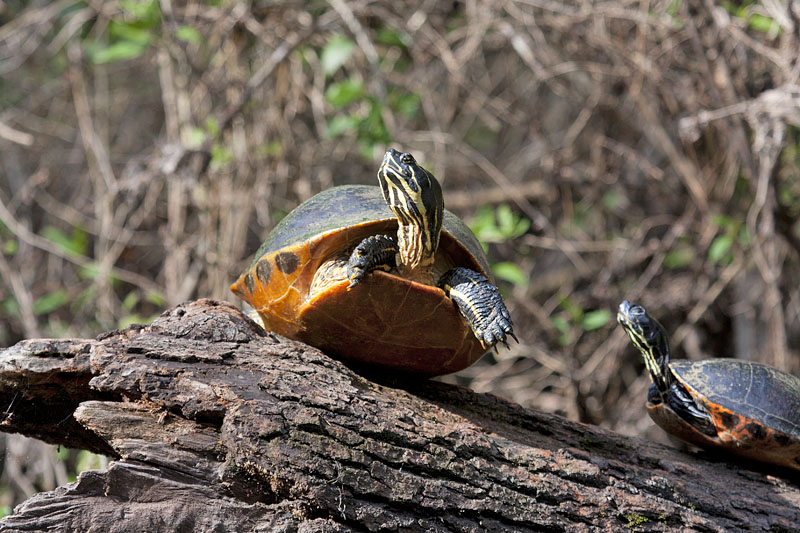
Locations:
(385, 321)
(754, 408)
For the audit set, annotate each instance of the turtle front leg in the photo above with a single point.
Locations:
(374, 252)
(480, 304)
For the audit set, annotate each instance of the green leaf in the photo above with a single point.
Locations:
(522, 227)
(130, 301)
(725, 221)
(366, 148)
(737, 10)
(392, 37)
(336, 52)
(719, 248)
(672, 8)
(57, 237)
(343, 93)
(278, 214)
(511, 273)
(372, 129)
(156, 298)
(10, 247)
(212, 126)
(595, 319)
(63, 453)
(560, 323)
(762, 23)
(89, 271)
(220, 155)
(195, 137)
(483, 217)
(50, 302)
(575, 311)
(498, 225)
(268, 149)
(511, 224)
(87, 460)
(340, 124)
(274, 148)
(505, 219)
(679, 257)
(484, 227)
(120, 51)
(140, 9)
(744, 237)
(9, 306)
(134, 318)
(189, 34)
(132, 33)
(77, 244)
(407, 104)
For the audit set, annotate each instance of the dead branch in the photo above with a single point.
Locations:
(216, 425)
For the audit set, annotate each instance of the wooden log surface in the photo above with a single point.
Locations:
(217, 426)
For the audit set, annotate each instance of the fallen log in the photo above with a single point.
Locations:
(215, 425)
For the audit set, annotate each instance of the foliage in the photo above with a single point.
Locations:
(501, 225)
(129, 34)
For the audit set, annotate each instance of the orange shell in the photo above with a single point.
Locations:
(748, 438)
(386, 321)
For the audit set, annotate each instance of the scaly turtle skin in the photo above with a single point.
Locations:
(746, 408)
(380, 276)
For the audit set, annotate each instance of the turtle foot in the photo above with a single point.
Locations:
(481, 305)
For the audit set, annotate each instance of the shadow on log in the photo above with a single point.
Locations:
(216, 426)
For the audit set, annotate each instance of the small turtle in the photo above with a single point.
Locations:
(746, 408)
(380, 276)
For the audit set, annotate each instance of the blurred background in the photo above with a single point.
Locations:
(605, 150)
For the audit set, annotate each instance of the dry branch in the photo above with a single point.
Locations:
(217, 426)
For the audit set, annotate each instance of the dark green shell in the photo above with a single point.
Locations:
(746, 388)
(348, 205)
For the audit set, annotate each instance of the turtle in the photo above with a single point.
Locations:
(742, 407)
(380, 276)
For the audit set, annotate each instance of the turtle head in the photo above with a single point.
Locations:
(650, 338)
(415, 197)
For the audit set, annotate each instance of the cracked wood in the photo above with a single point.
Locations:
(216, 425)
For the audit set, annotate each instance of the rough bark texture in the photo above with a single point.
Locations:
(216, 426)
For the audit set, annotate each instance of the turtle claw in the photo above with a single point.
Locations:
(481, 305)
(373, 253)
(499, 327)
(355, 275)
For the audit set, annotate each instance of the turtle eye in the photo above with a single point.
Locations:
(407, 159)
(637, 310)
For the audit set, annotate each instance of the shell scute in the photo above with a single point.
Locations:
(733, 389)
(386, 320)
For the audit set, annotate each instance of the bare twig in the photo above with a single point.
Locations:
(43, 244)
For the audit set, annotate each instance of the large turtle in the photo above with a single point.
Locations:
(332, 274)
(742, 407)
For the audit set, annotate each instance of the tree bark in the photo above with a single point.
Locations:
(217, 426)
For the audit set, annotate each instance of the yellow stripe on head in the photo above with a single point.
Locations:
(650, 338)
(414, 195)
